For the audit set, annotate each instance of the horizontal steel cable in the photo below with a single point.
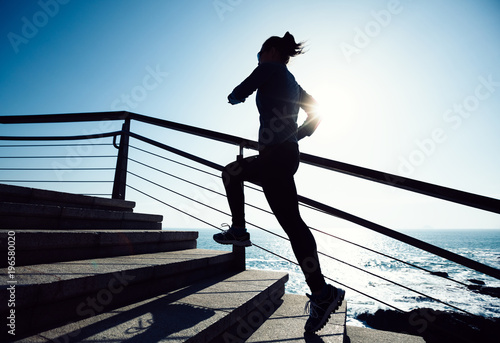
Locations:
(305, 205)
(331, 279)
(390, 281)
(48, 169)
(347, 241)
(370, 273)
(469, 263)
(388, 256)
(174, 176)
(174, 161)
(201, 203)
(51, 145)
(321, 253)
(310, 207)
(261, 228)
(260, 247)
(173, 207)
(192, 183)
(60, 181)
(395, 283)
(60, 156)
(177, 193)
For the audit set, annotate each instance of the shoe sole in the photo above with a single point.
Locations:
(245, 243)
(334, 306)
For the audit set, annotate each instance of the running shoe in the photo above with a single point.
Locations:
(320, 308)
(229, 237)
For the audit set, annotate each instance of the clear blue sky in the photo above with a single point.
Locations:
(409, 87)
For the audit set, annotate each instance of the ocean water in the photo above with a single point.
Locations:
(346, 260)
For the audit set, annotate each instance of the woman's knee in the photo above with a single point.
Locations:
(231, 172)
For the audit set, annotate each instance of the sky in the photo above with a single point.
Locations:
(409, 87)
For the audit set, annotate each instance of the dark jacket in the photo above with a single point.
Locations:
(279, 98)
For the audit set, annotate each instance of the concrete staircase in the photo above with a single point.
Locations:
(28, 208)
(89, 269)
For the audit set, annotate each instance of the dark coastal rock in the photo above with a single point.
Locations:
(436, 326)
(491, 291)
(442, 274)
(477, 282)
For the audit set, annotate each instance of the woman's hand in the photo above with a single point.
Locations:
(233, 101)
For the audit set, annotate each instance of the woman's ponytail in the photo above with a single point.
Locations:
(291, 48)
(286, 46)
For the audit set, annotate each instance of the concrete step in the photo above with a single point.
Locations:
(47, 246)
(366, 335)
(47, 295)
(15, 216)
(18, 194)
(197, 313)
(286, 324)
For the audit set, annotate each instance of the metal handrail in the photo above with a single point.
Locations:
(456, 196)
(432, 190)
(60, 138)
(436, 191)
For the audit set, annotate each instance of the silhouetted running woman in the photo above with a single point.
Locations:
(279, 99)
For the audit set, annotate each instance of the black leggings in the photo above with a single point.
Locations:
(273, 169)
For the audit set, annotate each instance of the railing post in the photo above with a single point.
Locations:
(120, 182)
(239, 262)
(239, 157)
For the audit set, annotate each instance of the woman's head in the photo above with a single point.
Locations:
(280, 48)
